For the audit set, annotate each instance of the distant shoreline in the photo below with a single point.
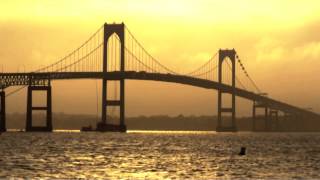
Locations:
(160, 123)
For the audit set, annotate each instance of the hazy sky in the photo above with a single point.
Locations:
(278, 41)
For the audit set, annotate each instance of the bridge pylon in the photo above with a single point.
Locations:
(48, 108)
(2, 111)
(109, 30)
(223, 54)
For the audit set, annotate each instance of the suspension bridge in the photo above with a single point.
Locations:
(113, 54)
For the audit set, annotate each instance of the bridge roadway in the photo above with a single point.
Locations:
(23, 79)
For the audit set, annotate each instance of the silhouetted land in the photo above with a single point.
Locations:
(161, 122)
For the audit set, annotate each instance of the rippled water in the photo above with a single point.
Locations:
(159, 155)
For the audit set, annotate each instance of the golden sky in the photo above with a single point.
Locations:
(278, 41)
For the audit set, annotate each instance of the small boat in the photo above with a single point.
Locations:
(86, 128)
(103, 127)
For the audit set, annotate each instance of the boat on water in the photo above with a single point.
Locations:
(103, 127)
(87, 128)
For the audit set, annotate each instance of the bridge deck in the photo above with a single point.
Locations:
(21, 79)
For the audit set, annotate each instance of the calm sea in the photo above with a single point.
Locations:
(160, 155)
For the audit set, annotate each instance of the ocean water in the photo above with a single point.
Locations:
(160, 155)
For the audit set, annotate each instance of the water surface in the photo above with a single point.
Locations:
(145, 155)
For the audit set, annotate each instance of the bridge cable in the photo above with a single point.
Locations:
(237, 79)
(142, 50)
(61, 64)
(247, 75)
(202, 66)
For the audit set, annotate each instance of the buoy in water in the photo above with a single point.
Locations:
(242, 151)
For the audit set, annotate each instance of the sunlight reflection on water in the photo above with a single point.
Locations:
(159, 155)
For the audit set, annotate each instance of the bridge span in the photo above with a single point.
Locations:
(109, 55)
(23, 79)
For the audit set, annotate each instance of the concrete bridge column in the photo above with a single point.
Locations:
(293, 121)
(3, 111)
(109, 30)
(288, 118)
(253, 117)
(31, 108)
(104, 125)
(257, 105)
(266, 119)
(273, 120)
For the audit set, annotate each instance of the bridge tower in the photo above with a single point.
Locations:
(109, 30)
(223, 54)
(39, 85)
(2, 111)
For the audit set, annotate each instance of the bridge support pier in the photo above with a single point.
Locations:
(256, 106)
(222, 110)
(47, 108)
(274, 120)
(293, 121)
(103, 126)
(3, 112)
(286, 116)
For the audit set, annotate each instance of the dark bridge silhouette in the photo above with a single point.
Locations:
(109, 55)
